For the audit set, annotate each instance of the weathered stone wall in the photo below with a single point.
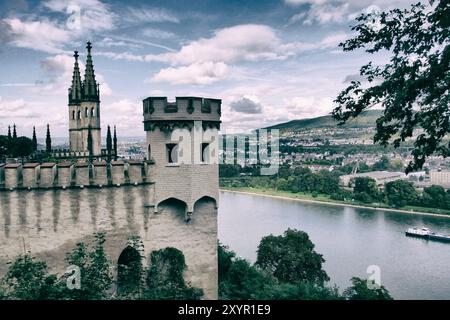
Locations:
(30, 173)
(49, 223)
(67, 174)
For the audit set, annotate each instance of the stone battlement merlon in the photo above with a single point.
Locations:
(15, 176)
(184, 109)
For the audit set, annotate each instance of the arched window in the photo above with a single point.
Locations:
(79, 114)
(149, 152)
(129, 271)
(92, 112)
(86, 114)
(73, 115)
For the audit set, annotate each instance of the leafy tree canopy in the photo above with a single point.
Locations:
(413, 87)
(291, 257)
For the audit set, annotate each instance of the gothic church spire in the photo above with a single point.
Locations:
(75, 89)
(90, 88)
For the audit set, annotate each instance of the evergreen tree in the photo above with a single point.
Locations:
(14, 132)
(48, 141)
(90, 144)
(34, 139)
(9, 132)
(109, 143)
(115, 143)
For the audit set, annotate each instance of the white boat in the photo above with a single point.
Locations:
(427, 234)
(419, 232)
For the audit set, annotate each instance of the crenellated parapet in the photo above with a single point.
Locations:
(64, 175)
(165, 115)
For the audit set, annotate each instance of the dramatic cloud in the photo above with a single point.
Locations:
(246, 105)
(42, 35)
(197, 73)
(239, 43)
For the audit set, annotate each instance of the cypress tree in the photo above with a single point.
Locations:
(90, 144)
(48, 141)
(115, 144)
(14, 132)
(34, 139)
(9, 132)
(109, 143)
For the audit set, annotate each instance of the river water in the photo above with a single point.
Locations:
(350, 240)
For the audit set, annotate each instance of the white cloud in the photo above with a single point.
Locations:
(338, 11)
(81, 19)
(15, 109)
(146, 15)
(157, 33)
(59, 70)
(125, 114)
(196, 73)
(309, 106)
(239, 43)
(42, 35)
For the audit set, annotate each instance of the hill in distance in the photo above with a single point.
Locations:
(365, 120)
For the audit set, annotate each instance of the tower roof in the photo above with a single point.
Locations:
(75, 91)
(90, 87)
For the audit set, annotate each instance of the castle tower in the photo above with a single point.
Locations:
(84, 108)
(182, 145)
(182, 140)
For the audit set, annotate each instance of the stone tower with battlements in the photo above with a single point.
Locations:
(182, 140)
(84, 108)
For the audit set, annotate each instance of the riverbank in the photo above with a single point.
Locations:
(284, 195)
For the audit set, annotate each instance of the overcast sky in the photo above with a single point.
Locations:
(270, 61)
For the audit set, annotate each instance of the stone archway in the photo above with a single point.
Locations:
(129, 271)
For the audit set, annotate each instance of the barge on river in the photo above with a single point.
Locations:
(426, 233)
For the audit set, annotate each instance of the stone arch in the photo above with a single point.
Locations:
(129, 270)
(73, 115)
(205, 210)
(206, 198)
(86, 113)
(79, 114)
(178, 206)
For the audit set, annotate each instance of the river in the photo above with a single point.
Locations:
(350, 240)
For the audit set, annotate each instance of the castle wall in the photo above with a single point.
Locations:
(117, 172)
(30, 173)
(49, 223)
(82, 174)
(135, 172)
(47, 175)
(68, 174)
(100, 174)
(187, 182)
(12, 175)
(64, 174)
(2, 174)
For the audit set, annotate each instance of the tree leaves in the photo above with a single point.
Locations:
(413, 87)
